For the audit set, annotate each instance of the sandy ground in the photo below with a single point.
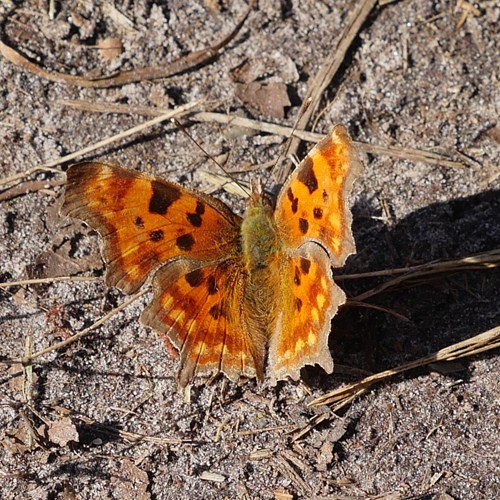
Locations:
(419, 75)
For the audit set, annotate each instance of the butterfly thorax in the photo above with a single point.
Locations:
(259, 241)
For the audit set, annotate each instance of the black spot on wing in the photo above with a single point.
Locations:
(212, 285)
(305, 265)
(307, 176)
(200, 208)
(195, 278)
(303, 225)
(139, 222)
(296, 276)
(163, 196)
(298, 304)
(156, 235)
(318, 213)
(195, 218)
(295, 205)
(185, 242)
(215, 312)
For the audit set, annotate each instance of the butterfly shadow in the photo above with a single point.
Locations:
(420, 318)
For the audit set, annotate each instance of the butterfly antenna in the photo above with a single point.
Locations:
(209, 156)
(284, 153)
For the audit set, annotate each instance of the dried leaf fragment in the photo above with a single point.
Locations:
(212, 476)
(131, 482)
(269, 99)
(62, 431)
(109, 48)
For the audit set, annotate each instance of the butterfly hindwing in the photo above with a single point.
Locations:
(199, 306)
(308, 300)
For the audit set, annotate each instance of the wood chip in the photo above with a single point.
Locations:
(109, 48)
(212, 476)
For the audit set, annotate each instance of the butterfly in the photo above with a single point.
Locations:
(229, 292)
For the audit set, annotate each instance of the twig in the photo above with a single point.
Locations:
(185, 63)
(480, 343)
(29, 187)
(325, 75)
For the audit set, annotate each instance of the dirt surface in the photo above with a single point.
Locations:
(421, 75)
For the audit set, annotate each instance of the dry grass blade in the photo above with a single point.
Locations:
(480, 343)
(485, 260)
(105, 142)
(411, 154)
(224, 182)
(330, 67)
(45, 281)
(82, 333)
(180, 65)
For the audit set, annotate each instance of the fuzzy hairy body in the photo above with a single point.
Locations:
(260, 248)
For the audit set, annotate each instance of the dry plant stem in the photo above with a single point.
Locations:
(410, 154)
(84, 332)
(483, 342)
(38, 281)
(180, 65)
(26, 173)
(138, 128)
(488, 260)
(29, 187)
(491, 258)
(325, 75)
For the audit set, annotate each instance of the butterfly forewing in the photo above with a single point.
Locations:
(313, 203)
(146, 221)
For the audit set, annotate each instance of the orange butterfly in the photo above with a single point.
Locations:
(229, 290)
